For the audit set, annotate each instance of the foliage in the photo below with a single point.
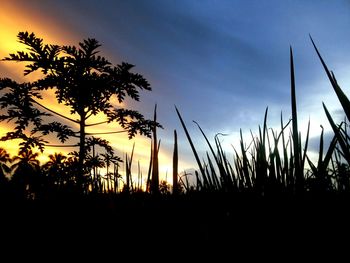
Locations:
(4, 166)
(82, 80)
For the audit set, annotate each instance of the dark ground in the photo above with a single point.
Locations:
(210, 223)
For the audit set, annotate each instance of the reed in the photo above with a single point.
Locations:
(155, 165)
(175, 166)
(274, 163)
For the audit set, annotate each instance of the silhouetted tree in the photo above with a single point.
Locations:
(55, 163)
(55, 171)
(83, 81)
(72, 167)
(26, 173)
(164, 187)
(4, 160)
(4, 170)
(109, 159)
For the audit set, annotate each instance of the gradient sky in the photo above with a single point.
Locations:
(221, 62)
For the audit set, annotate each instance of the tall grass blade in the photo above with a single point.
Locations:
(175, 165)
(305, 147)
(340, 94)
(323, 181)
(155, 165)
(127, 174)
(128, 163)
(299, 177)
(223, 165)
(192, 146)
(116, 175)
(213, 173)
(187, 184)
(340, 138)
(285, 174)
(210, 181)
(206, 139)
(320, 152)
(218, 160)
(139, 177)
(330, 151)
(199, 184)
(265, 126)
(277, 164)
(148, 183)
(245, 163)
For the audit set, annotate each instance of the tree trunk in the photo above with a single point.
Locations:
(82, 152)
(107, 164)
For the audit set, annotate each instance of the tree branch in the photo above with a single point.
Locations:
(97, 123)
(100, 133)
(52, 111)
(88, 115)
(60, 145)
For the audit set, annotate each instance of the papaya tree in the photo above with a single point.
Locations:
(82, 80)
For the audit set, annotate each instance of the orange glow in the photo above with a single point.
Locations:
(15, 18)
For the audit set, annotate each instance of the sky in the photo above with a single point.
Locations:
(220, 62)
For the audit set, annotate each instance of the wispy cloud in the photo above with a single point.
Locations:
(221, 62)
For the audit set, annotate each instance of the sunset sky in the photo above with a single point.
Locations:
(220, 62)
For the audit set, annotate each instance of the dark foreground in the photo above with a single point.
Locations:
(212, 223)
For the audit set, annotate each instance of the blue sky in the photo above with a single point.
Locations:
(221, 62)
(218, 60)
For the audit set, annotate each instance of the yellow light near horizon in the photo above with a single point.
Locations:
(9, 43)
(13, 20)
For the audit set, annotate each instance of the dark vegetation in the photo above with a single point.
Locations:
(270, 184)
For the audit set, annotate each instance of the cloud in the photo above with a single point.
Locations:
(314, 142)
(222, 63)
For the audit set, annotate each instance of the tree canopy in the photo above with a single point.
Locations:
(82, 80)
